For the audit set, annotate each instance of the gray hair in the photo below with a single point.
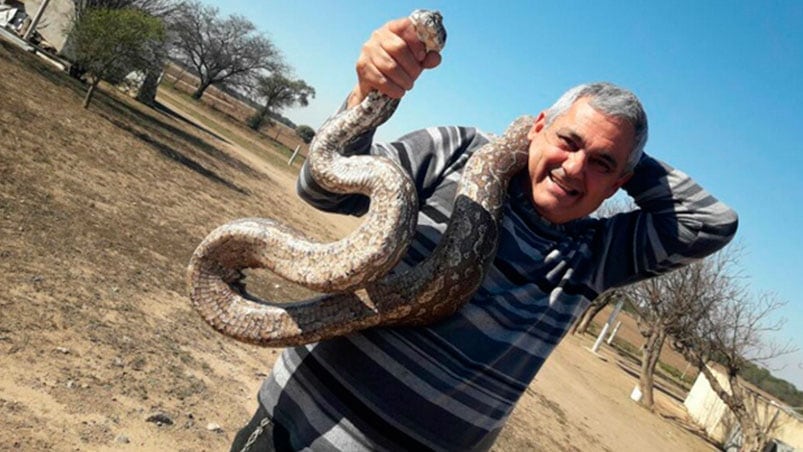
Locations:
(609, 100)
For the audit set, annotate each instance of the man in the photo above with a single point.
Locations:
(452, 385)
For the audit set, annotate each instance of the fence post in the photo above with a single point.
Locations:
(613, 333)
(295, 153)
(607, 325)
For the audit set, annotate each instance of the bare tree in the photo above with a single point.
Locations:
(708, 313)
(735, 334)
(220, 51)
(674, 305)
(156, 8)
(276, 92)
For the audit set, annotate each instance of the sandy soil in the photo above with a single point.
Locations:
(100, 210)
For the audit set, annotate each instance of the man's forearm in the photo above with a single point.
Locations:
(689, 220)
(676, 223)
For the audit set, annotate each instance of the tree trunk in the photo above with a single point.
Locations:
(200, 91)
(599, 303)
(754, 438)
(90, 92)
(147, 92)
(581, 327)
(650, 353)
(258, 119)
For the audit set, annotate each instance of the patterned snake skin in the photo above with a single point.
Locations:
(353, 272)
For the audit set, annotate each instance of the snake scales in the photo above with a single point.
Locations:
(353, 272)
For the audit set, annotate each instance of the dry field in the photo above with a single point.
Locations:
(179, 80)
(100, 210)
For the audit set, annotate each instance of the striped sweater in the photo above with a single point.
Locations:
(452, 385)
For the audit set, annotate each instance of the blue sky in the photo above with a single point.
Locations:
(719, 81)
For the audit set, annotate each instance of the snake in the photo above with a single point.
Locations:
(354, 275)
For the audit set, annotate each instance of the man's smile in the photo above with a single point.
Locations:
(556, 177)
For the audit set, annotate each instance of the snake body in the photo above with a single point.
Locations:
(353, 272)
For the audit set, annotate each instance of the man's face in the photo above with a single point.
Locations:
(577, 162)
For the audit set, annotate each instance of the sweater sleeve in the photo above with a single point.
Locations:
(426, 155)
(677, 221)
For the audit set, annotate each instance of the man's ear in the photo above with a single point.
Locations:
(538, 125)
(619, 182)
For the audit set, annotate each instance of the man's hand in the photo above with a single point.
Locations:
(391, 61)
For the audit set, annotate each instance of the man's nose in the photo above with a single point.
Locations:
(574, 163)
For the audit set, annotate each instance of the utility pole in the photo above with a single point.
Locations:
(35, 20)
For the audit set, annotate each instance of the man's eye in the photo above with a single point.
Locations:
(602, 165)
(567, 143)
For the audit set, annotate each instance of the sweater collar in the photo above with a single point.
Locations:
(521, 204)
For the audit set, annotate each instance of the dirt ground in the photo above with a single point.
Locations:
(100, 210)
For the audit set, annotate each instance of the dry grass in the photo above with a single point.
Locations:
(100, 210)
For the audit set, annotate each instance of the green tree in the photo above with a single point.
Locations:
(109, 41)
(276, 92)
(306, 133)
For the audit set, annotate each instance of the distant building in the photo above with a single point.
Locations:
(711, 413)
(56, 22)
(13, 16)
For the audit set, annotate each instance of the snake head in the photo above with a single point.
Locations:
(429, 28)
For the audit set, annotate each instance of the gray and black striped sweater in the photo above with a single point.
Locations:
(452, 385)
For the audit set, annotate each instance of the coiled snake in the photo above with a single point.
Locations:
(353, 272)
